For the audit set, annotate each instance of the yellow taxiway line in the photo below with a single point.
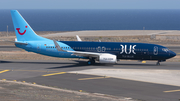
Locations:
(178, 53)
(4, 71)
(172, 91)
(54, 74)
(93, 78)
(31, 70)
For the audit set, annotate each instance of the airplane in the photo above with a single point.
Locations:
(103, 52)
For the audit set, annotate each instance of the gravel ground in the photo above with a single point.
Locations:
(162, 37)
(17, 91)
(116, 33)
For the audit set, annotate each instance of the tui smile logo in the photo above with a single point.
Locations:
(20, 32)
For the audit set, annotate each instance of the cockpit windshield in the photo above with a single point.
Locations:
(165, 49)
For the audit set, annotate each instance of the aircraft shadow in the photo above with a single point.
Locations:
(135, 64)
(80, 64)
(35, 62)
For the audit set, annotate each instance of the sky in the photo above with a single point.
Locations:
(89, 4)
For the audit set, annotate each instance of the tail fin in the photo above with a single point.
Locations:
(22, 29)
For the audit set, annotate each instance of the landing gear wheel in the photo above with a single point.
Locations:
(158, 63)
(91, 61)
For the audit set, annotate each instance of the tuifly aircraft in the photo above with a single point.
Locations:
(103, 52)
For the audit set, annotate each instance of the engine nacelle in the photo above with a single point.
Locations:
(107, 58)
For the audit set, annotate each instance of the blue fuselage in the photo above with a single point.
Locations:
(123, 50)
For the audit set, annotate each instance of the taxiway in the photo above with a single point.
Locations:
(77, 75)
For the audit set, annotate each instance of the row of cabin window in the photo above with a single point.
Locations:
(93, 48)
(55, 47)
(129, 49)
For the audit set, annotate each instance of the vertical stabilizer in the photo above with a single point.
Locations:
(22, 29)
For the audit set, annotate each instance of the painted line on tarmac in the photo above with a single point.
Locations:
(93, 78)
(35, 71)
(172, 91)
(178, 53)
(4, 71)
(54, 74)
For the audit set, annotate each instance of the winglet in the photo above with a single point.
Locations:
(78, 38)
(57, 46)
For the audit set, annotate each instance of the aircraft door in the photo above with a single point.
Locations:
(155, 51)
(38, 47)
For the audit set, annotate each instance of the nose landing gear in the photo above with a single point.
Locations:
(158, 63)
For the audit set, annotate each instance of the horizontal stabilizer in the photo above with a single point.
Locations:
(18, 42)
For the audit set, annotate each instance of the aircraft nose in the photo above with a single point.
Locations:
(172, 54)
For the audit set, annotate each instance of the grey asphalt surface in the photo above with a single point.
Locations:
(32, 71)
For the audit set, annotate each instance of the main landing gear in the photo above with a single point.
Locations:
(91, 61)
(158, 63)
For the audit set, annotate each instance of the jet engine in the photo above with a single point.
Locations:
(107, 58)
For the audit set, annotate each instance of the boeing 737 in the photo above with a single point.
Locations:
(103, 52)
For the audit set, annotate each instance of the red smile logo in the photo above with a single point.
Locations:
(20, 32)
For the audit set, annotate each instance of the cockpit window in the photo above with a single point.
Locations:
(165, 49)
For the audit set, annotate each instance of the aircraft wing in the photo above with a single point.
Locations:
(57, 46)
(78, 53)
